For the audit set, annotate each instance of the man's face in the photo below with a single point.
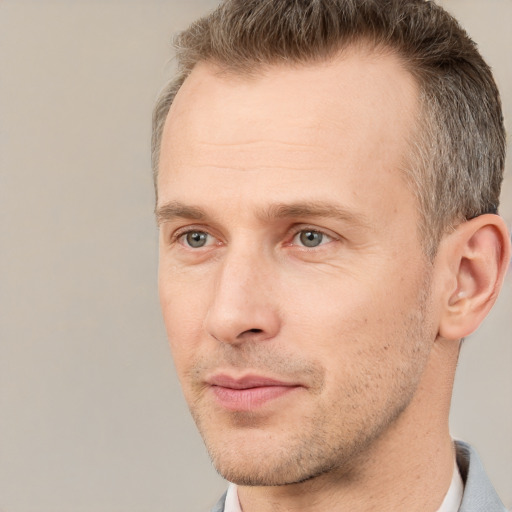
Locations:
(292, 281)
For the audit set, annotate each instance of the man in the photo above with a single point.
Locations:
(327, 176)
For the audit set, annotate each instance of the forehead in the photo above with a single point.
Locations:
(352, 115)
(358, 85)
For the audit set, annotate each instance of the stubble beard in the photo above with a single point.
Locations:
(318, 447)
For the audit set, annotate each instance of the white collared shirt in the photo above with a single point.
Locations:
(451, 502)
(453, 497)
(232, 502)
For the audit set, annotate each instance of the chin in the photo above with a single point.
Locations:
(258, 458)
(260, 472)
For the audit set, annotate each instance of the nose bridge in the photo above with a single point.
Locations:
(242, 305)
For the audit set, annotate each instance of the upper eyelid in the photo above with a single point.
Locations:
(174, 235)
(326, 238)
(289, 234)
(179, 232)
(178, 237)
(299, 228)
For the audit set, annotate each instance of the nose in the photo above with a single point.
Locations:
(244, 304)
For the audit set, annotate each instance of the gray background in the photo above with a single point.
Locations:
(91, 416)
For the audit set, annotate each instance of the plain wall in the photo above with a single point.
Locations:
(91, 415)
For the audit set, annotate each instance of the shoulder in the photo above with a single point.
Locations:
(219, 507)
(479, 494)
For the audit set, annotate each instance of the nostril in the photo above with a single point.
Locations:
(251, 335)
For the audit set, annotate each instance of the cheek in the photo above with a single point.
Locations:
(342, 309)
(183, 295)
(182, 307)
(356, 326)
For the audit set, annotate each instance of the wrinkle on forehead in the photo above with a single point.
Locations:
(287, 100)
(257, 155)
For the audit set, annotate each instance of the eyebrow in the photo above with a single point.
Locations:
(176, 210)
(315, 209)
(311, 209)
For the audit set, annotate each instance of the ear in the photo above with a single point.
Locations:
(474, 260)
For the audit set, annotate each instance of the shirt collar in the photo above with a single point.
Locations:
(451, 502)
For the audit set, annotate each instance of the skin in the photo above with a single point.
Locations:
(252, 167)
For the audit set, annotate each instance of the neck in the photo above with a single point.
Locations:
(409, 467)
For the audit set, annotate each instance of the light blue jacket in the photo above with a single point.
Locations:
(479, 494)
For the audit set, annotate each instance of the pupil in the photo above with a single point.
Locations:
(311, 238)
(196, 239)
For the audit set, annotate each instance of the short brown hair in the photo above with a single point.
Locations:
(458, 151)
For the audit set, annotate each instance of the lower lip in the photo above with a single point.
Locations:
(251, 398)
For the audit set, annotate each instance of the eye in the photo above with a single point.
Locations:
(196, 239)
(310, 238)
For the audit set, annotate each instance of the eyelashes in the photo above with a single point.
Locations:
(311, 238)
(195, 239)
(306, 237)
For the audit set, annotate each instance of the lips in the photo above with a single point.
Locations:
(248, 393)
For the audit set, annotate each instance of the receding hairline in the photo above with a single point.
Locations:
(364, 47)
(239, 71)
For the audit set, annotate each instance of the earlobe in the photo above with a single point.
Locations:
(476, 256)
